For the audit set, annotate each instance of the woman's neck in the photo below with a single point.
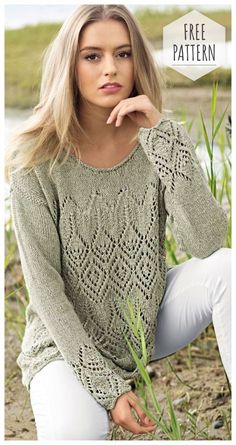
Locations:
(101, 135)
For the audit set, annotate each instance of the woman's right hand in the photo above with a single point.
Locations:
(122, 415)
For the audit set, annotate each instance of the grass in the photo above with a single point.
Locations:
(171, 428)
(153, 21)
(16, 298)
(24, 50)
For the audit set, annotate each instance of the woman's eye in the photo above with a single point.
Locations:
(126, 53)
(123, 55)
(89, 56)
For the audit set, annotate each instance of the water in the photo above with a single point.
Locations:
(13, 119)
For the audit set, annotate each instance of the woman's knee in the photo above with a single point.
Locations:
(221, 274)
(223, 252)
(222, 260)
(63, 408)
(218, 262)
(76, 429)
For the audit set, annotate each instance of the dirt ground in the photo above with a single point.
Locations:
(197, 385)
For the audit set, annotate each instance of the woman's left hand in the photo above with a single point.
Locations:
(139, 109)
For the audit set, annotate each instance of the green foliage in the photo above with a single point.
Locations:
(24, 49)
(225, 146)
(153, 21)
(209, 141)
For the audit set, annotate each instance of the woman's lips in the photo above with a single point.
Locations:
(111, 88)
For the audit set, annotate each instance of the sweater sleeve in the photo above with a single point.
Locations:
(39, 248)
(198, 221)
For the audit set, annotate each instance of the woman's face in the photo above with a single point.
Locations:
(108, 59)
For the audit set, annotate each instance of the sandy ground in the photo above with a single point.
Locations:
(207, 398)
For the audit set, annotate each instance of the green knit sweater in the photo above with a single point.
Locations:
(90, 237)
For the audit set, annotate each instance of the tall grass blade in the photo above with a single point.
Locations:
(174, 421)
(219, 123)
(206, 138)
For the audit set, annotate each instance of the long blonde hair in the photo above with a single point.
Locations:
(54, 124)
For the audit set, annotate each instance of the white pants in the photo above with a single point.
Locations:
(197, 293)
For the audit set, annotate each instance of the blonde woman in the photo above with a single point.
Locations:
(94, 174)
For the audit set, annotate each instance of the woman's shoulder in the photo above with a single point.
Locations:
(32, 182)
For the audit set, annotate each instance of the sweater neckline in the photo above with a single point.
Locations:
(105, 169)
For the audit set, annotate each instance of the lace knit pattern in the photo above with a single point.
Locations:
(91, 237)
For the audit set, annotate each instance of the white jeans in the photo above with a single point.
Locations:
(197, 293)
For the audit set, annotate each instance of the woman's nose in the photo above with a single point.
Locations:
(109, 65)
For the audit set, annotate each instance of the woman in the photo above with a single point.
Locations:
(104, 169)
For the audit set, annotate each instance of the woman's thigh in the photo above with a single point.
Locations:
(192, 289)
(63, 408)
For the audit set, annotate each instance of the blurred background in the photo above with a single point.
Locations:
(204, 107)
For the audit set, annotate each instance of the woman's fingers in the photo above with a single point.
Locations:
(119, 120)
(134, 402)
(144, 419)
(122, 108)
(114, 112)
(119, 114)
(130, 424)
(122, 414)
(140, 108)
